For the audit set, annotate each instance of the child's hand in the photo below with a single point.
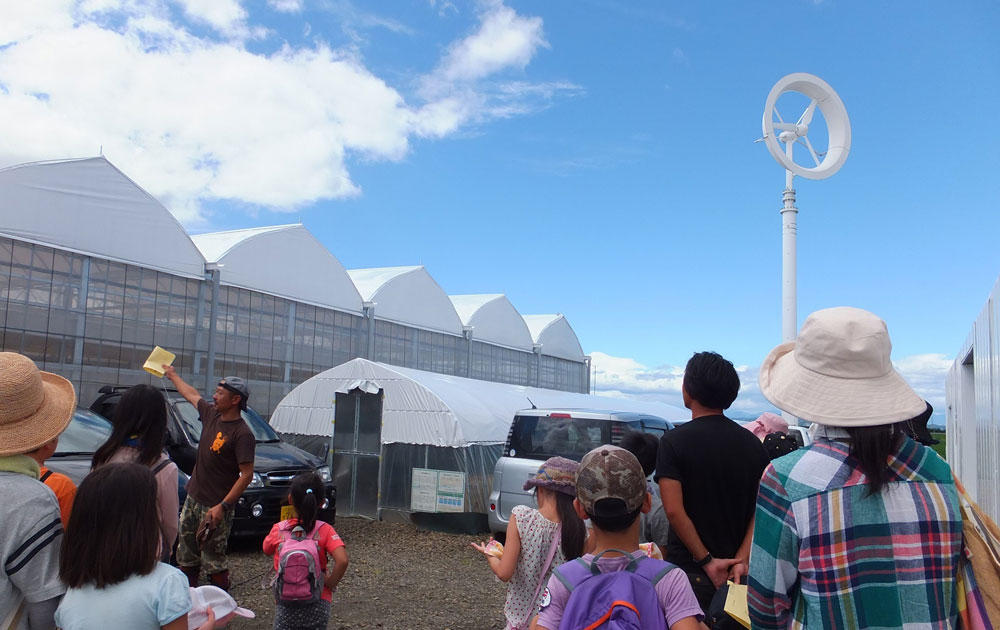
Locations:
(210, 622)
(480, 547)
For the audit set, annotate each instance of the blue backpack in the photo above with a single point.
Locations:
(617, 600)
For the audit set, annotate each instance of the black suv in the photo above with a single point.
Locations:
(276, 462)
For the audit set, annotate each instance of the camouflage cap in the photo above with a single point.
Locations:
(609, 472)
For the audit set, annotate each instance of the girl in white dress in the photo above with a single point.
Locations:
(538, 540)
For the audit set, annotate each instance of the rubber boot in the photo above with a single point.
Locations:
(220, 579)
(192, 573)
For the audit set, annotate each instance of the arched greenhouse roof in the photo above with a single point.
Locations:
(429, 408)
(407, 295)
(556, 337)
(283, 260)
(493, 319)
(90, 207)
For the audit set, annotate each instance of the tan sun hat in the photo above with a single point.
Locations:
(838, 372)
(35, 406)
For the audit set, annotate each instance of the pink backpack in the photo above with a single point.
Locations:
(300, 576)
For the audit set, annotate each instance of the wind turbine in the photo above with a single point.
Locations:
(823, 164)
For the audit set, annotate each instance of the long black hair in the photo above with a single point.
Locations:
(141, 414)
(572, 531)
(307, 497)
(114, 528)
(872, 446)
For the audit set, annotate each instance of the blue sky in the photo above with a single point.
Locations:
(594, 158)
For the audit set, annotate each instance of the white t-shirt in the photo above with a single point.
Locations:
(141, 602)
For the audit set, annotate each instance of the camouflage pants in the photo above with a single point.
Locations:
(213, 556)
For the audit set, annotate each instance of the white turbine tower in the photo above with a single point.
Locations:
(823, 164)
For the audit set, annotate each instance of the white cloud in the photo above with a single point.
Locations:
(504, 39)
(200, 118)
(286, 6)
(619, 376)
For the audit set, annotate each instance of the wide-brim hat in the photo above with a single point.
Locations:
(838, 372)
(35, 406)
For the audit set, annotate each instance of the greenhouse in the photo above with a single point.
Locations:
(95, 272)
(391, 420)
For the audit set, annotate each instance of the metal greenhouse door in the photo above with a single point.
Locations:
(357, 452)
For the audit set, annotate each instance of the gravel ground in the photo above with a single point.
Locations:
(398, 578)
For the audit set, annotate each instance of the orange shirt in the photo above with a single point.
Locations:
(64, 489)
(329, 540)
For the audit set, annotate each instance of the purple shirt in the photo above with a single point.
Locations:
(673, 590)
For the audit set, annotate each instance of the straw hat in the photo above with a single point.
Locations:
(34, 406)
(838, 372)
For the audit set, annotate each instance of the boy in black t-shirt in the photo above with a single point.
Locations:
(708, 471)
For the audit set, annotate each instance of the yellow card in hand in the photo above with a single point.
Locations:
(736, 604)
(157, 359)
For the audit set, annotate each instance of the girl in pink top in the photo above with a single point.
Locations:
(138, 435)
(305, 494)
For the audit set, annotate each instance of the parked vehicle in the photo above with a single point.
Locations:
(538, 434)
(275, 465)
(78, 443)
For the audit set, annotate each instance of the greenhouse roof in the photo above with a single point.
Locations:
(493, 319)
(89, 206)
(283, 260)
(555, 335)
(407, 295)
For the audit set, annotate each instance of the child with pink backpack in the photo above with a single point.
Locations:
(303, 588)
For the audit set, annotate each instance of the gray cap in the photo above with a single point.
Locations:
(238, 386)
(610, 472)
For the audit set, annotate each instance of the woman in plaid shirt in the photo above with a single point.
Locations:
(862, 529)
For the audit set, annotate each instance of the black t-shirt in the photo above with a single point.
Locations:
(719, 465)
(224, 445)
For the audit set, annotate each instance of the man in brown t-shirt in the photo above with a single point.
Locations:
(223, 469)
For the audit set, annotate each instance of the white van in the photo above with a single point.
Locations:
(538, 434)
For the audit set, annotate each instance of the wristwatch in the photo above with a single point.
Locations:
(708, 558)
(226, 507)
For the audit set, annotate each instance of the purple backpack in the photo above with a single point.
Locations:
(617, 600)
(300, 576)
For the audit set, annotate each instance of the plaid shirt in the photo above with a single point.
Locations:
(825, 555)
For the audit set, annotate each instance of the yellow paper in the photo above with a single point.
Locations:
(736, 604)
(157, 359)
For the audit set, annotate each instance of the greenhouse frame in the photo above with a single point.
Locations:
(94, 272)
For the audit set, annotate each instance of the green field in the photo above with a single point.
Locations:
(940, 447)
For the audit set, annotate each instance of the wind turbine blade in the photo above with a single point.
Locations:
(784, 126)
(778, 114)
(812, 152)
(807, 116)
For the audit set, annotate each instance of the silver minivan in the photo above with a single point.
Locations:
(538, 434)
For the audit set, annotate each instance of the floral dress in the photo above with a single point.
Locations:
(536, 533)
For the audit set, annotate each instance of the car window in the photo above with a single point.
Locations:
(262, 431)
(536, 437)
(85, 433)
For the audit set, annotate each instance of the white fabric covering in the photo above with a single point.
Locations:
(90, 207)
(493, 319)
(427, 408)
(283, 260)
(407, 295)
(555, 335)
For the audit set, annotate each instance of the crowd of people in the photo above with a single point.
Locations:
(97, 556)
(859, 529)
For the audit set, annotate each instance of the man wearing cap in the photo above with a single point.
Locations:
(708, 470)
(223, 469)
(862, 529)
(35, 407)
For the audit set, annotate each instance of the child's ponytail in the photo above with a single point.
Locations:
(307, 497)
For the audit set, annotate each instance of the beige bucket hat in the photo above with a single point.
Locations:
(838, 372)
(35, 406)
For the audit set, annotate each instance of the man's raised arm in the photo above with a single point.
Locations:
(189, 393)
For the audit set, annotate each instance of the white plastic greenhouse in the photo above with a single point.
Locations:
(420, 420)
